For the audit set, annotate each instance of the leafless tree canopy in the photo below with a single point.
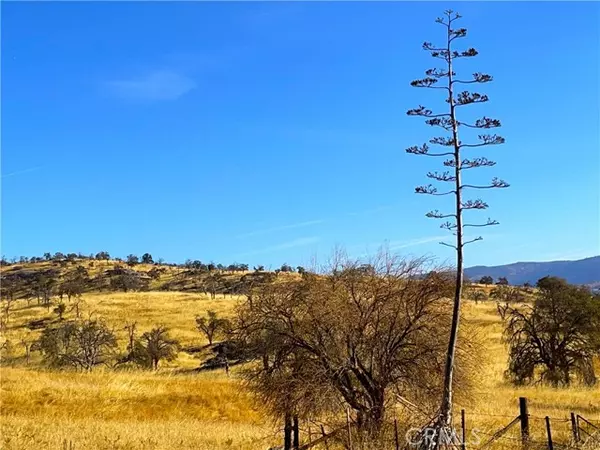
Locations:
(79, 344)
(358, 336)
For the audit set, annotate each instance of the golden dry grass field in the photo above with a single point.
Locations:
(178, 408)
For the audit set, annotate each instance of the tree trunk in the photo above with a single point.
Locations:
(287, 432)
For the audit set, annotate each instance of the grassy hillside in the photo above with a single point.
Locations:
(179, 407)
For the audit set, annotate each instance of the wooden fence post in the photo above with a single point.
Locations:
(463, 426)
(396, 437)
(549, 433)
(524, 417)
(287, 433)
(574, 428)
(296, 433)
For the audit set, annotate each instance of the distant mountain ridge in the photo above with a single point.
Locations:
(582, 271)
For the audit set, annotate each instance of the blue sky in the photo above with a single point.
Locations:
(271, 132)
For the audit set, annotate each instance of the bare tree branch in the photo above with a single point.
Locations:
(496, 183)
(428, 82)
(448, 245)
(487, 224)
(438, 215)
(431, 190)
(440, 140)
(437, 73)
(424, 150)
(422, 111)
(466, 98)
(488, 139)
(470, 163)
(445, 176)
(473, 204)
(477, 78)
(478, 238)
(484, 122)
(448, 226)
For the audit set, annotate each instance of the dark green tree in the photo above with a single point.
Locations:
(486, 280)
(556, 339)
(147, 259)
(154, 346)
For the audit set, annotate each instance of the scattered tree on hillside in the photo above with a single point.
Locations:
(147, 259)
(79, 344)
(286, 268)
(486, 280)
(127, 280)
(27, 342)
(502, 281)
(58, 256)
(10, 288)
(60, 310)
(132, 260)
(74, 283)
(507, 294)
(154, 346)
(476, 295)
(212, 325)
(555, 339)
(103, 256)
(45, 286)
(457, 163)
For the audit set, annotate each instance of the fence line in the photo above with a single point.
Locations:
(585, 433)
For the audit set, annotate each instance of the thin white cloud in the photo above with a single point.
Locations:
(20, 172)
(300, 242)
(280, 228)
(155, 86)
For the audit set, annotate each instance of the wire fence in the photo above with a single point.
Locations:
(522, 431)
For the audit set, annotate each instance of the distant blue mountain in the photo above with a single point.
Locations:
(583, 271)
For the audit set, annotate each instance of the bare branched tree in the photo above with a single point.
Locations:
(357, 336)
(212, 325)
(445, 79)
(79, 344)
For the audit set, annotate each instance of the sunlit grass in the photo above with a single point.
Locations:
(177, 407)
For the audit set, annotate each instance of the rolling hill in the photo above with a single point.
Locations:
(583, 271)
